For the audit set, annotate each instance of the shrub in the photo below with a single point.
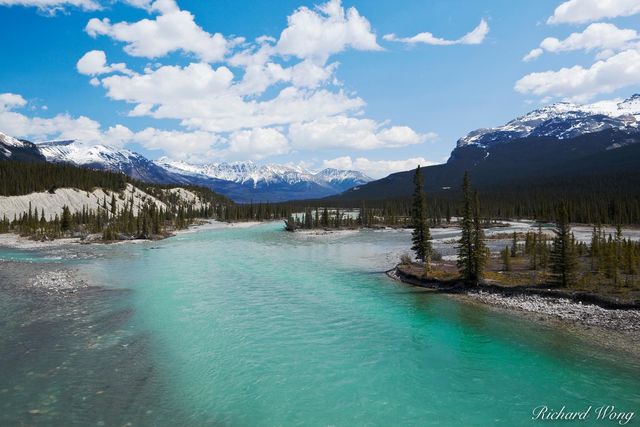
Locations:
(405, 259)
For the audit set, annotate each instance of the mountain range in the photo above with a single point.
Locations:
(240, 181)
(561, 142)
(563, 147)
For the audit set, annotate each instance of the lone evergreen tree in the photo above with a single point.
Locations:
(421, 236)
(563, 258)
(506, 258)
(466, 256)
(480, 250)
(65, 222)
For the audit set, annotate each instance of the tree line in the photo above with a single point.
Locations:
(118, 215)
(567, 261)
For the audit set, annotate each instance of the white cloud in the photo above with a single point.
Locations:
(602, 37)
(580, 84)
(195, 146)
(317, 34)
(376, 168)
(94, 63)
(256, 144)
(173, 30)
(581, 11)
(353, 133)
(533, 54)
(53, 6)
(9, 101)
(227, 114)
(476, 36)
(61, 126)
(169, 84)
(204, 98)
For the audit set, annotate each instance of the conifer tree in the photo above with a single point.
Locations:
(563, 259)
(480, 250)
(506, 258)
(466, 256)
(421, 236)
(65, 221)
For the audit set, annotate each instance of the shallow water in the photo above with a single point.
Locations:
(257, 327)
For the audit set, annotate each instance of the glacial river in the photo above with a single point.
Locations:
(251, 326)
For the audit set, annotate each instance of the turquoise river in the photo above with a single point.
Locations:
(252, 326)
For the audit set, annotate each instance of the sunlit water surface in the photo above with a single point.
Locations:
(258, 327)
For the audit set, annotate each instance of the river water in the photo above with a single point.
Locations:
(252, 326)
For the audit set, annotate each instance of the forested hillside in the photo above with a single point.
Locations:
(597, 175)
(50, 200)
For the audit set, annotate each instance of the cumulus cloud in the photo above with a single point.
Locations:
(9, 101)
(61, 126)
(226, 112)
(169, 84)
(581, 11)
(476, 36)
(353, 133)
(94, 63)
(579, 83)
(53, 6)
(204, 98)
(376, 168)
(173, 30)
(195, 146)
(601, 37)
(256, 144)
(317, 34)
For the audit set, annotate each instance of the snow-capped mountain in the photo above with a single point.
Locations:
(10, 141)
(241, 181)
(105, 158)
(563, 120)
(18, 150)
(248, 173)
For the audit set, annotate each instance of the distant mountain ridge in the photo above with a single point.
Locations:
(277, 182)
(18, 150)
(562, 120)
(241, 181)
(562, 144)
(249, 172)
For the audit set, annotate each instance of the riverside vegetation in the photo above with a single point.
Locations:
(118, 215)
(608, 267)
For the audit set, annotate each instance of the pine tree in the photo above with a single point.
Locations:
(514, 245)
(480, 250)
(65, 221)
(421, 236)
(325, 217)
(466, 256)
(563, 259)
(506, 258)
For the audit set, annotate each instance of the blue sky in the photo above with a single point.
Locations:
(371, 85)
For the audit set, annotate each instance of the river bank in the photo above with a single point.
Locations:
(16, 241)
(611, 324)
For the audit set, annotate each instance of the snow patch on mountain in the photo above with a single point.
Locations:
(11, 141)
(248, 173)
(73, 152)
(562, 120)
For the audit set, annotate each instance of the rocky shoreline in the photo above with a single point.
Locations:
(613, 326)
(15, 241)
